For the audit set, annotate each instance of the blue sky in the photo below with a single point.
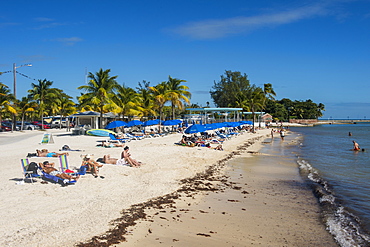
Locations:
(318, 50)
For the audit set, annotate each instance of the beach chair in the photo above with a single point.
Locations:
(63, 161)
(28, 174)
(64, 167)
(134, 137)
(113, 138)
(56, 179)
(232, 133)
(223, 136)
(146, 135)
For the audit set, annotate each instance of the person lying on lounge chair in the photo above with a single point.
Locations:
(111, 144)
(49, 169)
(125, 159)
(91, 165)
(46, 153)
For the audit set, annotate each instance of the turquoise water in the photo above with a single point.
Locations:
(340, 177)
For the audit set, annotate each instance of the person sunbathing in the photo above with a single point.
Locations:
(49, 169)
(185, 141)
(219, 147)
(91, 165)
(110, 144)
(125, 159)
(46, 153)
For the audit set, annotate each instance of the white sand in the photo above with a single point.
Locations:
(50, 215)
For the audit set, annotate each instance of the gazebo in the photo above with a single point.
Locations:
(225, 111)
(90, 118)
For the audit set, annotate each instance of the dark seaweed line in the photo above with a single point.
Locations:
(190, 186)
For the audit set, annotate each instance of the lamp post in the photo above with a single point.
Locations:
(15, 87)
(15, 77)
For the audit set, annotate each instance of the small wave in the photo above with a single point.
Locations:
(344, 226)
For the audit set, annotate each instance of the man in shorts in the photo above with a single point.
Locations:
(49, 169)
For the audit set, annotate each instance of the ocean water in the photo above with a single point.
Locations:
(339, 177)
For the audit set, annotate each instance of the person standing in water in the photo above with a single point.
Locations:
(282, 134)
(356, 147)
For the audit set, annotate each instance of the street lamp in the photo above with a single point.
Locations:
(15, 88)
(15, 77)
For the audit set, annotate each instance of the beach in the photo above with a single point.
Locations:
(93, 212)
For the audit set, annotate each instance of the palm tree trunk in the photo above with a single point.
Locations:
(254, 119)
(160, 119)
(22, 121)
(100, 120)
(173, 111)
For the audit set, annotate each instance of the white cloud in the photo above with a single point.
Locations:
(49, 25)
(44, 19)
(211, 29)
(68, 41)
(9, 24)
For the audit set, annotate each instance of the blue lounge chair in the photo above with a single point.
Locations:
(113, 138)
(57, 179)
(64, 167)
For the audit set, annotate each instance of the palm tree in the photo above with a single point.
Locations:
(254, 101)
(269, 91)
(5, 101)
(177, 94)
(128, 101)
(41, 93)
(24, 106)
(64, 105)
(99, 92)
(320, 109)
(146, 99)
(159, 93)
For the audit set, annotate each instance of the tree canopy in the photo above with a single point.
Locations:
(166, 99)
(235, 90)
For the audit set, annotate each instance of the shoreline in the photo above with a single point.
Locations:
(254, 203)
(89, 207)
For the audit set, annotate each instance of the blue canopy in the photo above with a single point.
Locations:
(171, 122)
(195, 128)
(115, 124)
(231, 124)
(134, 123)
(151, 122)
(218, 125)
(246, 122)
(177, 121)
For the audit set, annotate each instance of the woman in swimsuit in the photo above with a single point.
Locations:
(91, 165)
